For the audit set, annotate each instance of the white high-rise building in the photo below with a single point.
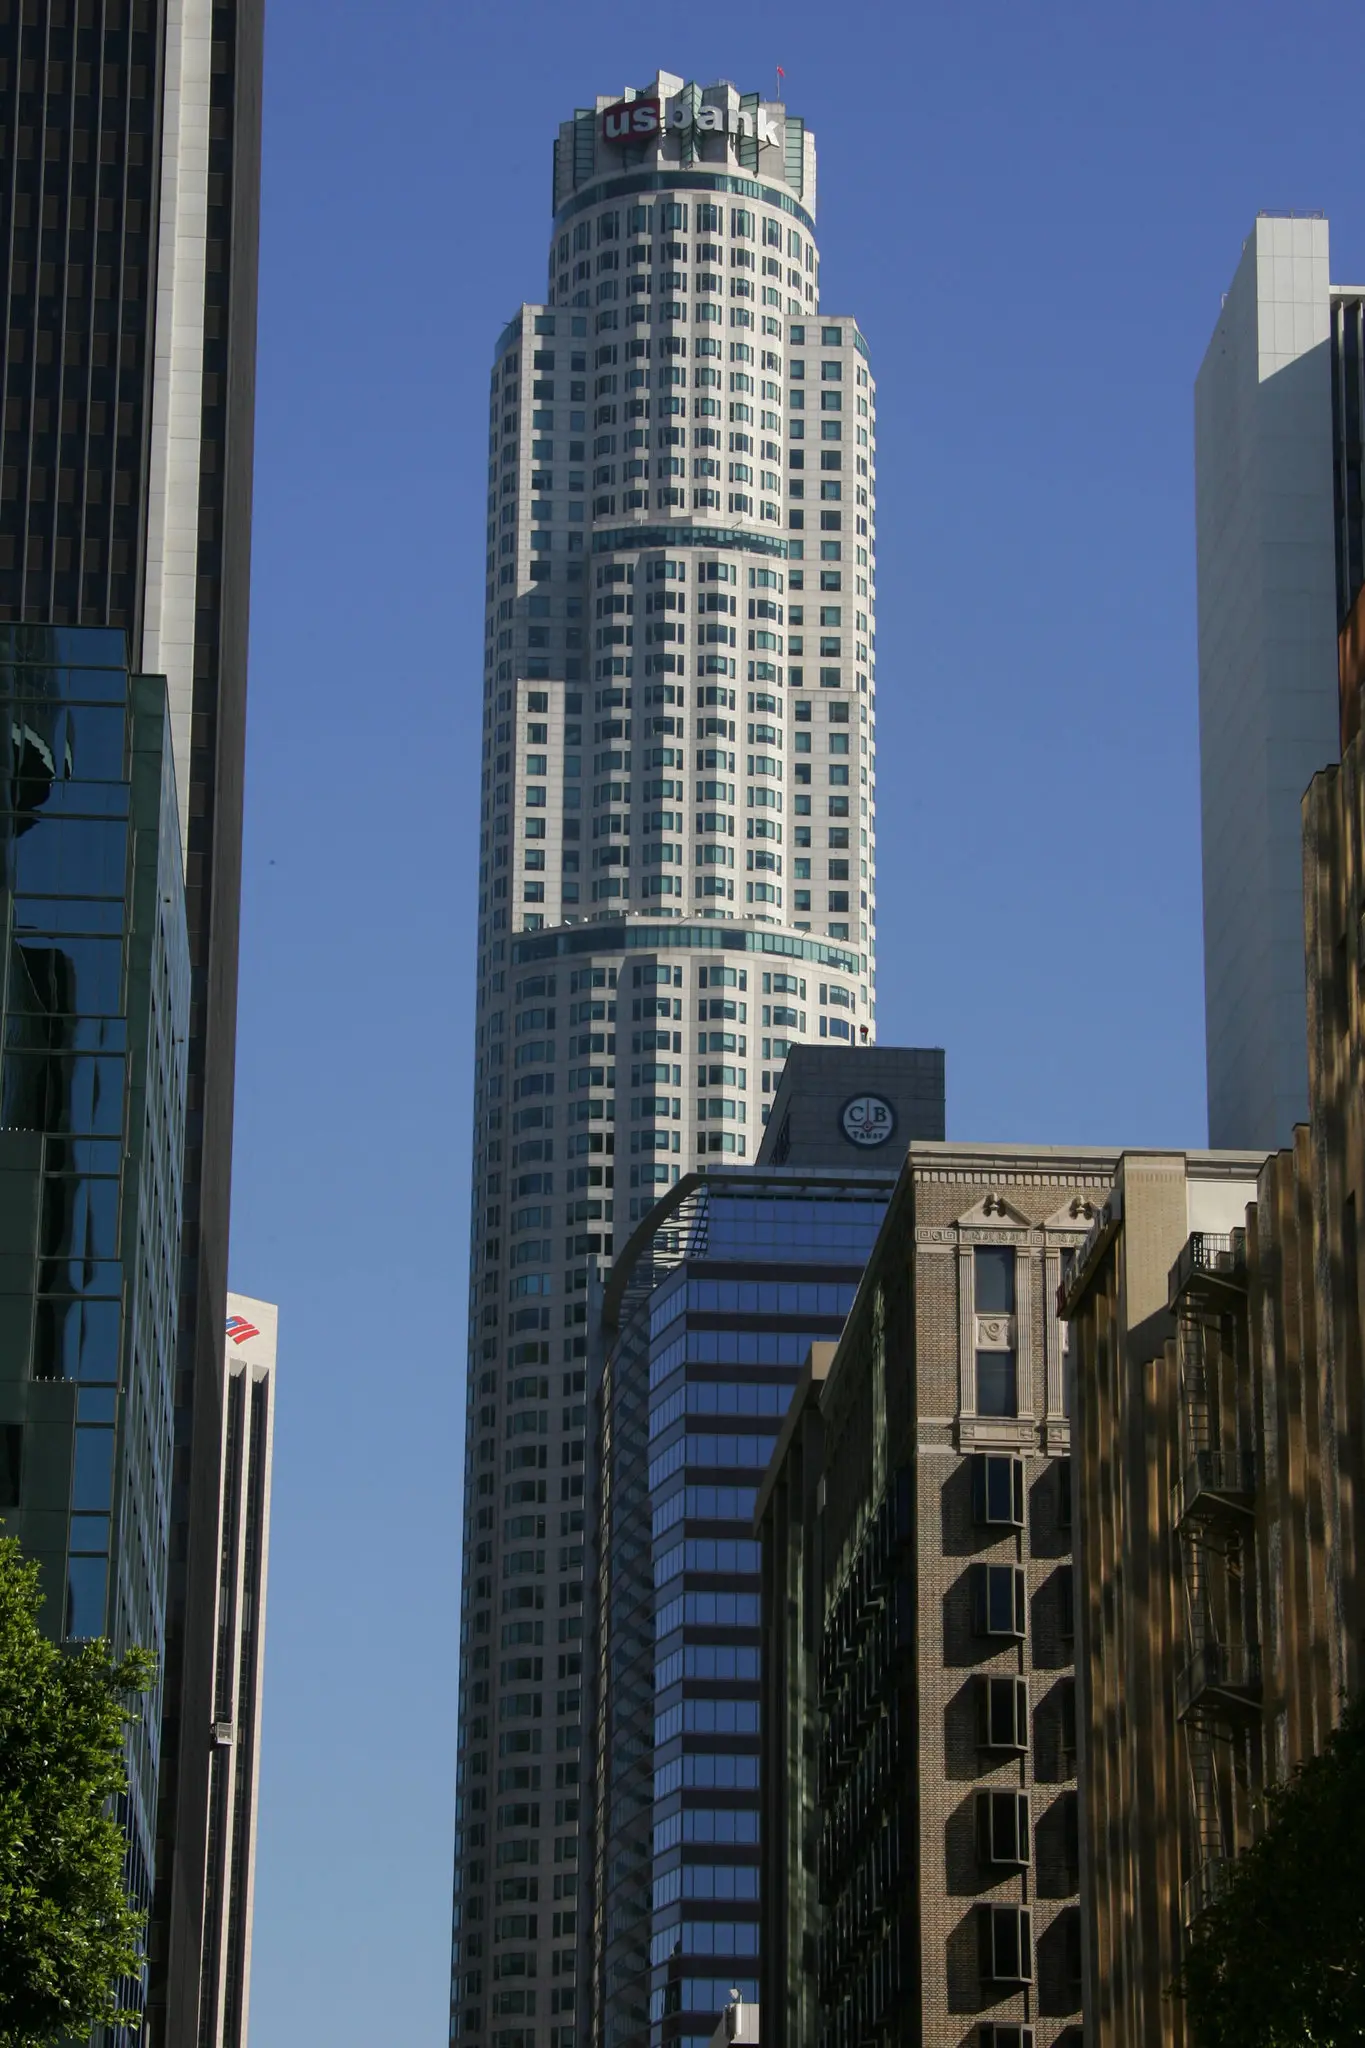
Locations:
(676, 863)
(1278, 409)
(249, 1355)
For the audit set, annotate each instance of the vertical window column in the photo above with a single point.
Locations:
(994, 1327)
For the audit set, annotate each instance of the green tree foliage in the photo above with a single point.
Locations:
(1278, 1960)
(67, 1930)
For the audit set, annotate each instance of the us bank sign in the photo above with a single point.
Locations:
(637, 120)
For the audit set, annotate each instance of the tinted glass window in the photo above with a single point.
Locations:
(85, 1596)
(93, 1478)
(1000, 1489)
(997, 1390)
(994, 1280)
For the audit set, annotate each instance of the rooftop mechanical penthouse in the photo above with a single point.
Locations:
(677, 843)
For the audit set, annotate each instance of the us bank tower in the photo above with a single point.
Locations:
(677, 844)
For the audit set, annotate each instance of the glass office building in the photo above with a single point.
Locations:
(94, 1005)
(128, 240)
(704, 1326)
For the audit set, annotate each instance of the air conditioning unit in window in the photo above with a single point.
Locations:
(1006, 1944)
(1002, 1830)
(997, 1492)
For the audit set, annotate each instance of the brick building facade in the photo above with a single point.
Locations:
(1221, 1426)
(918, 1603)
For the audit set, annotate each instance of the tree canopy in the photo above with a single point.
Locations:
(68, 1932)
(1278, 1959)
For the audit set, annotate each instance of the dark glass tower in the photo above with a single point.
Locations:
(94, 1000)
(129, 208)
(707, 1320)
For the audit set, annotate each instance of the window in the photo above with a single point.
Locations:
(999, 1600)
(1066, 1604)
(1006, 2037)
(1066, 1713)
(997, 1492)
(85, 1596)
(1002, 1829)
(997, 1383)
(994, 1280)
(1006, 1944)
(11, 1462)
(997, 1391)
(1069, 1806)
(1002, 1713)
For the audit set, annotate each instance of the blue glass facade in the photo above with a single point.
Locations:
(94, 1003)
(703, 1331)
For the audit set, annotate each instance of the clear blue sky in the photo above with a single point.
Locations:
(1032, 212)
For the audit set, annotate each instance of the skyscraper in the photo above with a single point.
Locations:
(128, 241)
(707, 1321)
(677, 848)
(244, 1555)
(1279, 403)
(710, 1312)
(94, 999)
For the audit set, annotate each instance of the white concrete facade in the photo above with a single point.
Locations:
(250, 1351)
(677, 864)
(1267, 664)
(178, 380)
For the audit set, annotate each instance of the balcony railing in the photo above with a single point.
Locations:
(1209, 1264)
(1215, 1486)
(1220, 1678)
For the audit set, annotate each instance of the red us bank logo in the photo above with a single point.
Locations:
(631, 120)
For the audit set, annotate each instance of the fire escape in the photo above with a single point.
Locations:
(1218, 1679)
